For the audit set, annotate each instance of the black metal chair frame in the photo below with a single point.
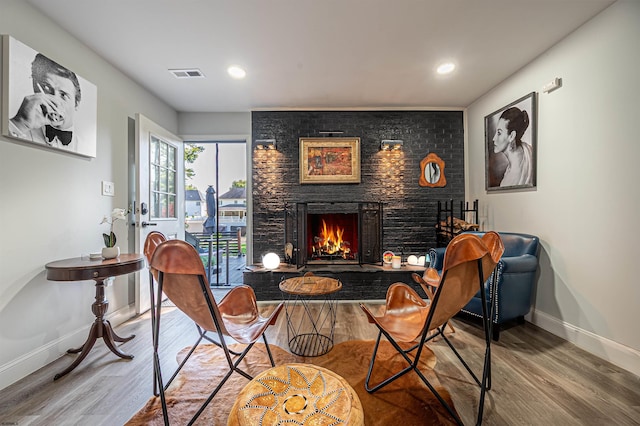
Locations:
(484, 383)
(233, 366)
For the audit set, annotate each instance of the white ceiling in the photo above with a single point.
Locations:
(320, 54)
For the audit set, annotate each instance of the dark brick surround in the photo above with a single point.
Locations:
(390, 177)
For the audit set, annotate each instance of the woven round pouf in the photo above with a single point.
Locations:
(297, 394)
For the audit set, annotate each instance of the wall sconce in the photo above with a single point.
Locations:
(391, 144)
(265, 144)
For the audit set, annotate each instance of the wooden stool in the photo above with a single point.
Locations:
(302, 393)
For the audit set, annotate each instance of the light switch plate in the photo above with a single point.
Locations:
(108, 188)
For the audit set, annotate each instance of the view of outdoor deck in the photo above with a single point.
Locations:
(216, 214)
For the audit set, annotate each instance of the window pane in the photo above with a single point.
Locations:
(163, 205)
(155, 205)
(163, 155)
(171, 186)
(153, 178)
(163, 180)
(172, 158)
(153, 154)
(172, 206)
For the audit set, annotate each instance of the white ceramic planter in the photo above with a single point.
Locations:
(111, 252)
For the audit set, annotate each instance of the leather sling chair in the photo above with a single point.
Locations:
(431, 278)
(182, 278)
(407, 318)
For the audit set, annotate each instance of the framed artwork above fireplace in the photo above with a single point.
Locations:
(329, 160)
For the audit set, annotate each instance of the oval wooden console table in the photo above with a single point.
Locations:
(81, 269)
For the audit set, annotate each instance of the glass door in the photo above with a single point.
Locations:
(216, 207)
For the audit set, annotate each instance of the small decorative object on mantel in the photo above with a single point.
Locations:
(288, 253)
(432, 171)
(110, 250)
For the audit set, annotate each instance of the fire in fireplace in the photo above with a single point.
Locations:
(332, 236)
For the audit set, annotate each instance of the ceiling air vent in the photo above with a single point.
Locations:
(187, 73)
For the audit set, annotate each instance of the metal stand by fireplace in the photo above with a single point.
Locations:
(334, 232)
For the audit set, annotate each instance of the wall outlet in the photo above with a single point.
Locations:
(108, 188)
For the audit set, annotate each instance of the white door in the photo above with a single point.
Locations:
(159, 190)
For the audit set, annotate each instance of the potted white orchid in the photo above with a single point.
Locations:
(111, 250)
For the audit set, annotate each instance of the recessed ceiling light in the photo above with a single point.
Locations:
(446, 68)
(236, 72)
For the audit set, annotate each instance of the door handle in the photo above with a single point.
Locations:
(145, 224)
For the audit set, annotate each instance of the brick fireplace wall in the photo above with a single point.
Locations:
(387, 176)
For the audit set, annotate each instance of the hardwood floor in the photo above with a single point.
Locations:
(538, 379)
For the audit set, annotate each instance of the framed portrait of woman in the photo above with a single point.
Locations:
(511, 144)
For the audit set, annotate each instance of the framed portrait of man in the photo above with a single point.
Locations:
(46, 103)
(511, 145)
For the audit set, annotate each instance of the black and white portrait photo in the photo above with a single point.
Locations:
(510, 154)
(47, 103)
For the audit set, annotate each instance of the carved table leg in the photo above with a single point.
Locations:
(99, 328)
(115, 336)
(93, 334)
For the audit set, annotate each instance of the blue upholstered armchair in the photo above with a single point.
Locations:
(516, 273)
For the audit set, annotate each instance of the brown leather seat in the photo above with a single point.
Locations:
(182, 278)
(407, 318)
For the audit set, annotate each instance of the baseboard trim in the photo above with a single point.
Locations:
(613, 352)
(21, 367)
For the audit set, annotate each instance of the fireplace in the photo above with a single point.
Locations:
(335, 232)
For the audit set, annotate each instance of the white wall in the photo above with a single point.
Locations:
(58, 196)
(209, 124)
(587, 197)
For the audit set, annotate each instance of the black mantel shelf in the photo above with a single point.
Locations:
(359, 282)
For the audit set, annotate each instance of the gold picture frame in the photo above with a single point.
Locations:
(329, 160)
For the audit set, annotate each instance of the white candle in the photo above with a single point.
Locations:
(395, 262)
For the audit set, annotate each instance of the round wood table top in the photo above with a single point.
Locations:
(301, 394)
(84, 268)
(310, 285)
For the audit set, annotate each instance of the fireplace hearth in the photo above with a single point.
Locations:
(334, 232)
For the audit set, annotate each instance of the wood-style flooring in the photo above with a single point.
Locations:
(538, 378)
